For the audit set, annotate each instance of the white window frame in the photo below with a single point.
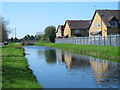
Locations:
(114, 23)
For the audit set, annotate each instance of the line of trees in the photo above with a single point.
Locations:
(48, 35)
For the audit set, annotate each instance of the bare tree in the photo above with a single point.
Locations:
(3, 29)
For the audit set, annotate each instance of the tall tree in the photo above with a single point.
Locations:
(50, 33)
(3, 29)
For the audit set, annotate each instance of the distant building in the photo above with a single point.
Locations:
(105, 22)
(77, 28)
(60, 31)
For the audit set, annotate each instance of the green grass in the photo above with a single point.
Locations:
(15, 71)
(103, 52)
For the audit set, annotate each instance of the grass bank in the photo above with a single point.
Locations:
(103, 52)
(15, 71)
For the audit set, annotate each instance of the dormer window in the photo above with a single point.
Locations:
(114, 23)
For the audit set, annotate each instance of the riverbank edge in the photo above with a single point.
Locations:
(103, 52)
(21, 68)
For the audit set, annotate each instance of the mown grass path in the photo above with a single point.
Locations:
(15, 71)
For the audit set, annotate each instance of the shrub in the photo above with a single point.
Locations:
(18, 45)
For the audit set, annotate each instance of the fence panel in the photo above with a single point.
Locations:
(99, 40)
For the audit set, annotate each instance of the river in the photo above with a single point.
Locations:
(56, 68)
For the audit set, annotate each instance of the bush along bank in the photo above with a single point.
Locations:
(15, 70)
(103, 52)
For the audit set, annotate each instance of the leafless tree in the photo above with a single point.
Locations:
(3, 29)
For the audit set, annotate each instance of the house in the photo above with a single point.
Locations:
(60, 31)
(77, 28)
(105, 22)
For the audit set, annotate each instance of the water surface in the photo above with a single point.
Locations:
(56, 68)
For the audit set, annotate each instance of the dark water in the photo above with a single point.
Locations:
(55, 68)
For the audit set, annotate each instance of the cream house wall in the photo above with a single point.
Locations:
(67, 30)
(94, 26)
(59, 33)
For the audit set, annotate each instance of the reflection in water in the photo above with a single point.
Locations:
(105, 72)
(50, 55)
(60, 56)
(72, 60)
(68, 70)
(40, 53)
(99, 67)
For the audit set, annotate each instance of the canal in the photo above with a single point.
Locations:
(56, 68)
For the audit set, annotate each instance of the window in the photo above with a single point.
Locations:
(95, 25)
(114, 23)
(98, 24)
(77, 31)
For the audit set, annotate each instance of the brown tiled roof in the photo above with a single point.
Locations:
(107, 15)
(78, 24)
(61, 28)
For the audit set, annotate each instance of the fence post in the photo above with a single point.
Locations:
(99, 39)
(76, 40)
(80, 40)
(116, 40)
(110, 39)
(83, 40)
(90, 40)
(104, 40)
(70, 40)
(86, 40)
(94, 39)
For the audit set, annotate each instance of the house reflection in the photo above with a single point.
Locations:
(105, 72)
(68, 60)
(60, 56)
(99, 67)
(71, 60)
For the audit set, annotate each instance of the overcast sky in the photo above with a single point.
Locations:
(33, 17)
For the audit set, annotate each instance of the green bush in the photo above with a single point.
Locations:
(18, 46)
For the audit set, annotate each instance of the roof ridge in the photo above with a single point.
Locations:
(78, 20)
